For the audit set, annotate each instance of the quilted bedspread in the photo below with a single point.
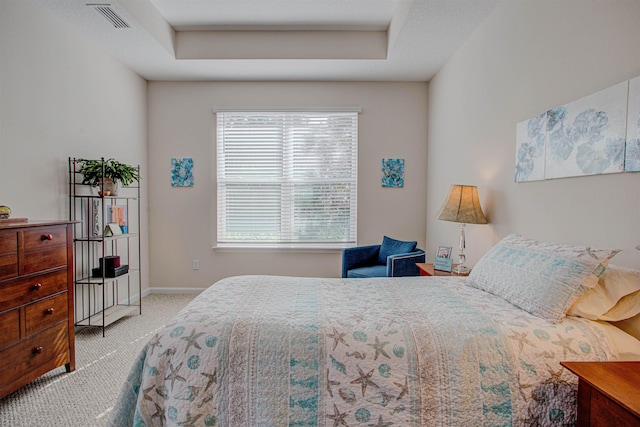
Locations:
(412, 351)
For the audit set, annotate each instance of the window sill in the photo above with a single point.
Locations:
(310, 248)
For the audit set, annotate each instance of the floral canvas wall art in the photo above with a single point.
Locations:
(632, 155)
(182, 172)
(587, 136)
(393, 172)
(531, 136)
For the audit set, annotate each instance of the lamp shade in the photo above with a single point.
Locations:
(462, 205)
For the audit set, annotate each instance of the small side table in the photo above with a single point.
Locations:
(426, 269)
(608, 393)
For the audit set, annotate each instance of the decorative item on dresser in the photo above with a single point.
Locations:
(5, 212)
(36, 301)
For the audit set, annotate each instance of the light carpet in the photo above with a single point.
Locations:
(83, 398)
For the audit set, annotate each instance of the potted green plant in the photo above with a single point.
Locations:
(115, 173)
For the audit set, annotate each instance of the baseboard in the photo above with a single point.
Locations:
(150, 291)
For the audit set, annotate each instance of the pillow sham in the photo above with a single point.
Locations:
(541, 278)
(626, 347)
(608, 299)
(391, 246)
(630, 326)
(628, 306)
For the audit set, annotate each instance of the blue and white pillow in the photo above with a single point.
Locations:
(542, 278)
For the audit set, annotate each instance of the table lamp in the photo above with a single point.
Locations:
(463, 206)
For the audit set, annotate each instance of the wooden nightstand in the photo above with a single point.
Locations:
(426, 269)
(608, 393)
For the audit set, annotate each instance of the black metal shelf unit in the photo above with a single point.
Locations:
(101, 299)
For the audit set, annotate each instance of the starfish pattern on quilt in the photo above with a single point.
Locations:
(555, 378)
(159, 414)
(146, 391)
(173, 376)
(379, 349)
(330, 383)
(190, 421)
(521, 338)
(565, 343)
(381, 423)
(211, 378)
(337, 417)
(192, 340)
(404, 388)
(522, 387)
(155, 342)
(364, 380)
(337, 338)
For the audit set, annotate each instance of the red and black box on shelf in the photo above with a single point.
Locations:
(112, 267)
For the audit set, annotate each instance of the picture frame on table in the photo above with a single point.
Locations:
(444, 251)
(443, 261)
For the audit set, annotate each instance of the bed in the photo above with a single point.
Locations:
(410, 351)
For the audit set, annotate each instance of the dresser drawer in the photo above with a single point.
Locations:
(33, 353)
(45, 237)
(8, 242)
(8, 266)
(45, 313)
(9, 327)
(21, 291)
(44, 259)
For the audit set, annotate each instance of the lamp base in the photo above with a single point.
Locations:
(461, 270)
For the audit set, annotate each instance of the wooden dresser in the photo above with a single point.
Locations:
(36, 301)
(608, 393)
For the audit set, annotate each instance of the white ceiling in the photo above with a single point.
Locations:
(370, 40)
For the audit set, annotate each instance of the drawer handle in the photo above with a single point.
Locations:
(38, 350)
(46, 237)
(50, 310)
(37, 286)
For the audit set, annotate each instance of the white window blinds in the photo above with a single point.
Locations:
(287, 179)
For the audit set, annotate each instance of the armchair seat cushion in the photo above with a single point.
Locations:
(371, 271)
(391, 246)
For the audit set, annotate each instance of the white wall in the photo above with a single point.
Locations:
(60, 96)
(181, 124)
(530, 56)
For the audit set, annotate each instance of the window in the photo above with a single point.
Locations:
(287, 179)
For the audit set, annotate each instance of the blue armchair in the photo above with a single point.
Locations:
(392, 258)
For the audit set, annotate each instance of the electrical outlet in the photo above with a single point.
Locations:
(196, 264)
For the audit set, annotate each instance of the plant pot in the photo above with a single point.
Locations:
(110, 188)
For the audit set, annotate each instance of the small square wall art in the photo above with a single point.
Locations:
(393, 172)
(182, 172)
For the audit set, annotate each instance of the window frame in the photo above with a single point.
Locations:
(348, 239)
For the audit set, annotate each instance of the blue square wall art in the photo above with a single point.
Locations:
(393, 172)
(181, 172)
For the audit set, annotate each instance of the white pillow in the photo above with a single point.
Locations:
(615, 297)
(539, 277)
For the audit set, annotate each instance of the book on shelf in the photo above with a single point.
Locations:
(117, 214)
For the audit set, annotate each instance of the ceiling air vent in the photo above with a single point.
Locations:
(110, 15)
